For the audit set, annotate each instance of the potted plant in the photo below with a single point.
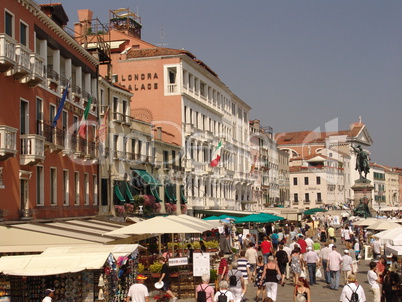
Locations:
(155, 269)
(213, 277)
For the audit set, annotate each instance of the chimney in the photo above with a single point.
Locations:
(159, 133)
(84, 22)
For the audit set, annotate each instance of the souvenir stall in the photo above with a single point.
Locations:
(76, 274)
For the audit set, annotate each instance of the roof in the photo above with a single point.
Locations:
(162, 51)
(309, 137)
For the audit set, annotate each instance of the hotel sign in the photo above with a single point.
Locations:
(139, 81)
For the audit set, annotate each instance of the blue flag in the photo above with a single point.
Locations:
(61, 105)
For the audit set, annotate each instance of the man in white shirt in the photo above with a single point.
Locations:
(309, 241)
(324, 260)
(334, 267)
(251, 256)
(49, 293)
(347, 266)
(312, 260)
(376, 246)
(374, 281)
(288, 251)
(350, 288)
(138, 292)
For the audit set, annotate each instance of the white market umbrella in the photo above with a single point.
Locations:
(366, 222)
(190, 220)
(159, 225)
(384, 225)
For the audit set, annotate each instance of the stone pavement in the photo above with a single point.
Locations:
(319, 292)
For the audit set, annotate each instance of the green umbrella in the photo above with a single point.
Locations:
(211, 218)
(259, 218)
(314, 210)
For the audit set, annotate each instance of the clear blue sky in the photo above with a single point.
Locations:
(300, 64)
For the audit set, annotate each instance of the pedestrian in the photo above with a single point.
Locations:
(323, 235)
(334, 267)
(138, 292)
(331, 234)
(376, 247)
(49, 294)
(223, 291)
(246, 241)
(296, 264)
(352, 287)
(204, 288)
(303, 244)
(266, 249)
(309, 241)
(374, 282)
(251, 255)
(313, 261)
(302, 291)
(347, 266)
(165, 278)
(244, 267)
(275, 239)
(380, 268)
(271, 276)
(356, 248)
(391, 287)
(223, 267)
(259, 270)
(282, 260)
(289, 253)
(236, 282)
(190, 252)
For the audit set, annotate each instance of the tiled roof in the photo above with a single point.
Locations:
(309, 137)
(162, 51)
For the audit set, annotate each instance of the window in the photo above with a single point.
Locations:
(296, 197)
(165, 159)
(295, 181)
(39, 117)
(95, 189)
(9, 24)
(307, 197)
(66, 190)
(23, 34)
(77, 187)
(53, 186)
(39, 186)
(306, 181)
(172, 75)
(318, 180)
(319, 197)
(86, 188)
(24, 115)
(75, 123)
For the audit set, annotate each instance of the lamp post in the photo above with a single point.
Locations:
(380, 194)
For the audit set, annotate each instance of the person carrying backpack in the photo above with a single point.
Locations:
(236, 282)
(204, 292)
(223, 294)
(352, 292)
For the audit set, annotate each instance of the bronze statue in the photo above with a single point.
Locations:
(362, 210)
(362, 161)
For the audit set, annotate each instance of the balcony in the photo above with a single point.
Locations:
(117, 117)
(22, 57)
(8, 142)
(92, 150)
(188, 129)
(81, 149)
(172, 88)
(37, 68)
(7, 53)
(32, 149)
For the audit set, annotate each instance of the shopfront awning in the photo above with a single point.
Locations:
(118, 194)
(128, 192)
(221, 212)
(41, 265)
(154, 192)
(147, 179)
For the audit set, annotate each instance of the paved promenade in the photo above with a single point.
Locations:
(319, 292)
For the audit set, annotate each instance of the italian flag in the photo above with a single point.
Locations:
(83, 125)
(217, 156)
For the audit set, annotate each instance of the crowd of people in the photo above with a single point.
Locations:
(290, 255)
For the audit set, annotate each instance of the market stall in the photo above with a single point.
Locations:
(77, 274)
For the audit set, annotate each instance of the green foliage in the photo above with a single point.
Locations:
(155, 267)
(141, 268)
(213, 275)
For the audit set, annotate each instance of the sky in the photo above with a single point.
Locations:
(300, 64)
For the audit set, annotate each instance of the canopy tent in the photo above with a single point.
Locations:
(259, 218)
(383, 225)
(161, 225)
(394, 250)
(41, 265)
(313, 211)
(392, 236)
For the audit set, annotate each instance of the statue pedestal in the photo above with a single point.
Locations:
(362, 194)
